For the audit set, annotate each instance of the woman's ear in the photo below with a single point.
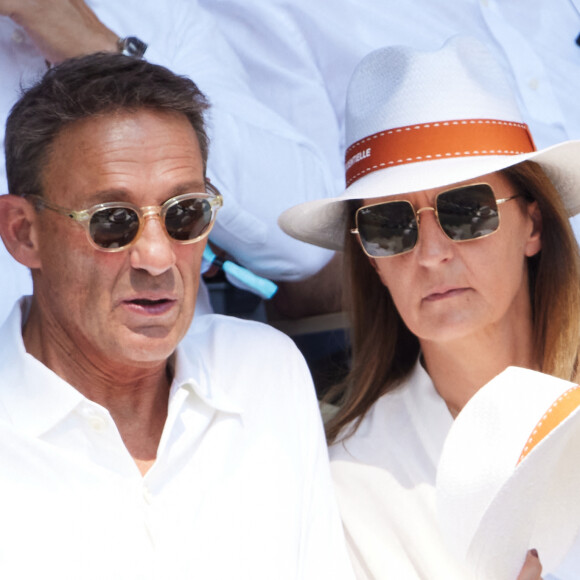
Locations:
(18, 229)
(534, 241)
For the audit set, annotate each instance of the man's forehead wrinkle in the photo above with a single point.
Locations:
(143, 159)
(114, 163)
(117, 191)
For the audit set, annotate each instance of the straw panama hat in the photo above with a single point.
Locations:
(418, 120)
(509, 475)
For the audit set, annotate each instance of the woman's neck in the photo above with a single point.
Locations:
(460, 368)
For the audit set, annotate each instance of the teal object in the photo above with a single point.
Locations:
(242, 277)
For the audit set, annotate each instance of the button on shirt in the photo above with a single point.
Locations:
(240, 487)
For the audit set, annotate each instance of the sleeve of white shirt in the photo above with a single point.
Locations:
(268, 377)
(323, 552)
(259, 162)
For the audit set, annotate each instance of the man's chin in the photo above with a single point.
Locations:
(150, 345)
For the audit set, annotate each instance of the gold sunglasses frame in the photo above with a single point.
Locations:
(83, 217)
(417, 214)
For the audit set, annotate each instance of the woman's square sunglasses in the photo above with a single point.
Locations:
(464, 213)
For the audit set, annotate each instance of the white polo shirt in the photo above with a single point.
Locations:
(240, 488)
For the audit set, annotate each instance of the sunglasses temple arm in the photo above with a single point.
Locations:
(242, 277)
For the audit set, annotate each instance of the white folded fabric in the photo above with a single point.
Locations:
(509, 475)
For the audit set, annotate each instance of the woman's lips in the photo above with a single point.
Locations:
(443, 294)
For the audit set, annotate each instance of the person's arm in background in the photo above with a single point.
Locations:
(60, 29)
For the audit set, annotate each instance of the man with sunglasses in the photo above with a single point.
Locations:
(129, 451)
(259, 161)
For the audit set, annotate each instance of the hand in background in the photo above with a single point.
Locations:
(60, 29)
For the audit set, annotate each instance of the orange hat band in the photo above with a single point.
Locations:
(558, 411)
(432, 141)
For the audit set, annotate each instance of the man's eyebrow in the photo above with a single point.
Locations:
(107, 195)
(189, 187)
(114, 194)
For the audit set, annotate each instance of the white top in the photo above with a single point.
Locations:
(303, 57)
(261, 164)
(240, 488)
(384, 476)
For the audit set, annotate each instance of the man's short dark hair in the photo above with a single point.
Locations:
(88, 86)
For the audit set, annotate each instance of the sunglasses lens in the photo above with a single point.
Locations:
(468, 212)
(188, 219)
(387, 229)
(114, 227)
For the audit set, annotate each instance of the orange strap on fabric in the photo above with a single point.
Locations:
(431, 141)
(558, 411)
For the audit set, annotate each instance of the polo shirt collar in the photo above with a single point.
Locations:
(191, 372)
(35, 399)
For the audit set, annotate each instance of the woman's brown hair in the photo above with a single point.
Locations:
(384, 350)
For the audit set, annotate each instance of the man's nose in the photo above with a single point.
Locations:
(153, 251)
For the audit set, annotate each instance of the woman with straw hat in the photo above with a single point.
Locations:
(460, 261)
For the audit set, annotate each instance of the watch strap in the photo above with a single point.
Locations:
(131, 46)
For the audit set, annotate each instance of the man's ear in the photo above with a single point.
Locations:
(18, 229)
(534, 241)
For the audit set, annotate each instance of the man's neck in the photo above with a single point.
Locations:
(136, 396)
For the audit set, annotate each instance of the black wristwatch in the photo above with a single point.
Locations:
(131, 46)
